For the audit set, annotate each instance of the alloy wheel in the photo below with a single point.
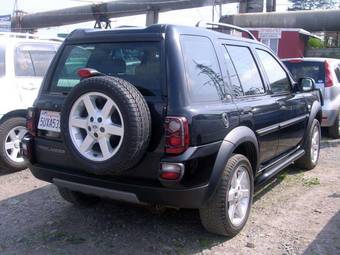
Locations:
(96, 126)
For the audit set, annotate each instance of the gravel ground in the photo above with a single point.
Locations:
(298, 213)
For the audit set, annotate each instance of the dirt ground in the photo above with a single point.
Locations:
(298, 213)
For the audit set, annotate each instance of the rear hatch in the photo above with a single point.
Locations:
(140, 63)
(312, 69)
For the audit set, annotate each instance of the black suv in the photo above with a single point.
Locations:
(170, 115)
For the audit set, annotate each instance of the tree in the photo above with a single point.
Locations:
(298, 5)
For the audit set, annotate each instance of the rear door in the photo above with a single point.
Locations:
(312, 69)
(293, 107)
(257, 108)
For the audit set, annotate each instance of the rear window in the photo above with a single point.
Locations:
(33, 59)
(2, 61)
(138, 63)
(315, 70)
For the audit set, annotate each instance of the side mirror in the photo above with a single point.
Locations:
(306, 85)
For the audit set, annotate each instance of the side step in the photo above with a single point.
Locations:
(278, 167)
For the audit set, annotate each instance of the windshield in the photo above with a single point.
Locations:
(138, 63)
(33, 59)
(303, 69)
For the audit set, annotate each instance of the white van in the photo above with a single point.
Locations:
(24, 59)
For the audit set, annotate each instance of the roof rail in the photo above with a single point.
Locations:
(215, 25)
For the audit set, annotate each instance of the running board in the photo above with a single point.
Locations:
(278, 167)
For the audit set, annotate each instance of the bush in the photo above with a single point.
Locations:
(315, 43)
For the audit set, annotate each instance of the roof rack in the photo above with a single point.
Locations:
(215, 25)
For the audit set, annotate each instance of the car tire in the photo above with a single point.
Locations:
(12, 130)
(334, 131)
(312, 150)
(217, 216)
(131, 113)
(77, 198)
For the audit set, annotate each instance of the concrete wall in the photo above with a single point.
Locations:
(326, 53)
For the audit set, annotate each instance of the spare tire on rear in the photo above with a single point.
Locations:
(106, 125)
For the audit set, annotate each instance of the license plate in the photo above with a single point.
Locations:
(49, 121)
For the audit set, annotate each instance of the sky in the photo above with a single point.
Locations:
(184, 17)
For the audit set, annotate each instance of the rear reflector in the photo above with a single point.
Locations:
(328, 73)
(171, 171)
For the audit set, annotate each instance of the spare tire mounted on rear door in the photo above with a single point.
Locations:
(106, 125)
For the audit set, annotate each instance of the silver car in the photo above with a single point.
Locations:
(326, 73)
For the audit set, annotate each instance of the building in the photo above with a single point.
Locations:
(285, 42)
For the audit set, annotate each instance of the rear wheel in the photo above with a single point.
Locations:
(77, 198)
(228, 210)
(334, 131)
(12, 130)
(311, 157)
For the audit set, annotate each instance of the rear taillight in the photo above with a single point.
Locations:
(177, 135)
(328, 73)
(87, 73)
(31, 121)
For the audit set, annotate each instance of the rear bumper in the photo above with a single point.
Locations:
(193, 197)
(328, 117)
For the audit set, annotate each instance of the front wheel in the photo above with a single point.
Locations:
(311, 157)
(228, 210)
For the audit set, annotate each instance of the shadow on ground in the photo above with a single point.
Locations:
(40, 222)
(328, 240)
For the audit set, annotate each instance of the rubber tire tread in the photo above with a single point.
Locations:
(135, 112)
(5, 126)
(214, 216)
(305, 162)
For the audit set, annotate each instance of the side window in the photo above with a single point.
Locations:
(2, 61)
(23, 63)
(278, 79)
(33, 59)
(236, 88)
(246, 69)
(202, 67)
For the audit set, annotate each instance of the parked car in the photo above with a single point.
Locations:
(326, 73)
(23, 63)
(196, 122)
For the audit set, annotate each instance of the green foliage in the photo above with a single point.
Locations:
(315, 43)
(298, 5)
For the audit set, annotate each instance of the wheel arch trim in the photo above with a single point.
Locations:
(236, 137)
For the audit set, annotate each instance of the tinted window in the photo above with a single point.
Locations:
(203, 71)
(234, 80)
(303, 69)
(247, 70)
(277, 76)
(2, 61)
(138, 63)
(33, 59)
